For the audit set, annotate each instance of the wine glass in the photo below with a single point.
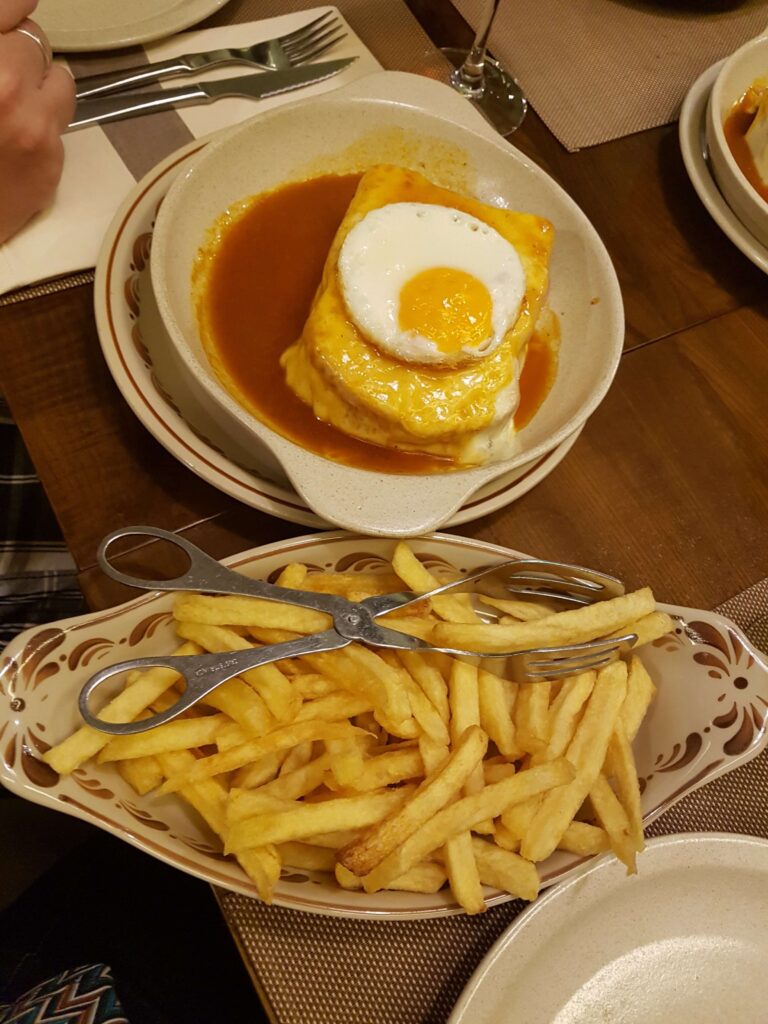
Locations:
(481, 79)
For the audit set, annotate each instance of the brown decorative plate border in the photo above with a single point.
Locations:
(710, 716)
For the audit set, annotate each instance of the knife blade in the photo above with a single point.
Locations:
(259, 86)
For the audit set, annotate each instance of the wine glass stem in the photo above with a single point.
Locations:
(469, 77)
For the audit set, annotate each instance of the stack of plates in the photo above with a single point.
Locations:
(693, 143)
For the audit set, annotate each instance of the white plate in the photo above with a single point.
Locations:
(709, 717)
(79, 25)
(694, 149)
(140, 359)
(682, 942)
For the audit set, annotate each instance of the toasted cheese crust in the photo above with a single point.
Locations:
(368, 394)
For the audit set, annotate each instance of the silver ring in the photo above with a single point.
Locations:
(41, 39)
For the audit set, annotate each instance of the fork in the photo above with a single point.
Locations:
(286, 51)
(536, 577)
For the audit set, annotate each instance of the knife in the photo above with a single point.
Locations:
(267, 83)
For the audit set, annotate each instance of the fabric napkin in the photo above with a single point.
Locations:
(102, 164)
(596, 70)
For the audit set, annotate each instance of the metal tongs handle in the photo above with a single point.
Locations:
(209, 576)
(202, 673)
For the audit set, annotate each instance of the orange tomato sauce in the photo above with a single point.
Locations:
(260, 287)
(735, 128)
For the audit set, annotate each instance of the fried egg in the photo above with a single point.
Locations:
(462, 410)
(430, 284)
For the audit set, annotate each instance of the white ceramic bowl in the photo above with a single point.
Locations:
(740, 70)
(412, 121)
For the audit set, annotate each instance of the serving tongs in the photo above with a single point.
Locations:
(353, 622)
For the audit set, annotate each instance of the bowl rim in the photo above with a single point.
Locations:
(716, 132)
(456, 485)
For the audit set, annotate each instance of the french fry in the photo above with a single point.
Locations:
(347, 760)
(620, 764)
(586, 752)
(495, 716)
(564, 715)
(309, 685)
(433, 794)
(259, 772)
(640, 693)
(282, 738)
(517, 819)
(293, 577)
(304, 820)
(267, 680)
(505, 870)
(419, 579)
(532, 716)
(229, 610)
(495, 771)
(307, 856)
(369, 584)
(614, 820)
(429, 678)
(236, 699)
(584, 839)
(463, 815)
(427, 877)
(333, 707)
(143, 774)
(180, 734)
(649, 628)
(433, 754)
(424, 712)
(464, 701)
(575, 626)
(297, 757)
(262, 865)
(524, 611)
(362, 672)
(463, 876)
(86, 742)
(387, 769)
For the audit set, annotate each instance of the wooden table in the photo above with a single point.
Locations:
(667, 484)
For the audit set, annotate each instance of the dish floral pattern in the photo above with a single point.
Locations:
(710, 715)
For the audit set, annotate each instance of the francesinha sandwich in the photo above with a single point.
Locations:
(420, 327)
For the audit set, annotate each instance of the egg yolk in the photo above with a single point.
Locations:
(449, 307)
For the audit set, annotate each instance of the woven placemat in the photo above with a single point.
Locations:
(596, 70)
(321, 970)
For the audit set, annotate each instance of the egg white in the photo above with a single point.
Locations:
(394, 243)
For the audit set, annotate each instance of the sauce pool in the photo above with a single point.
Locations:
(735, 128)
(261, 281)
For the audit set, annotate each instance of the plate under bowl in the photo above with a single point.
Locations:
(414, 122)
(748, 64)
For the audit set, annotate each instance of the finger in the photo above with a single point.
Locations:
(57, 94)
(30, 30)
(21, 61)
(14, 11)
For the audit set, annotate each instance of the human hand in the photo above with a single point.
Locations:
(37, 102)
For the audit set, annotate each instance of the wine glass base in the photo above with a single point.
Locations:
(501, 100)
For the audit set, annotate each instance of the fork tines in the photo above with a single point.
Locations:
(566, 661)
(308, 42)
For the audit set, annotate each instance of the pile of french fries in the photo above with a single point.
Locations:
(395, 770)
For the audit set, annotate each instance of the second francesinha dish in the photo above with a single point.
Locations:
(380, 320)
